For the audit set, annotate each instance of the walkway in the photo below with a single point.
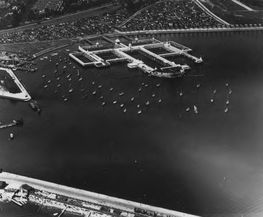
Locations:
(85, 195)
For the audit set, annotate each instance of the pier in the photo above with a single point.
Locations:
(23, 95)
(11, 124)
(89, 202)
(119, 52)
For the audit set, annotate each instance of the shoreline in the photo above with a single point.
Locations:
(100, 199)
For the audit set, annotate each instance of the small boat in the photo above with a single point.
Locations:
(181, 93)
(198, 85)
(153, 95)
(80, 79)
(121, 94)
(114, 102)
(111, 89)
(132, 99)
(147, 103)
(214, 92)
(158, 85)
(187, 109)
(226, 110)
(139, 112)
(195, 109)
(65, 99)
(140, 89)
(160, 100)
(121, 105)
(227, 102)
(230, 92)
(125, 110)
(94, 93)
(19, 122)
(100, 86)
(103, 103)
(138, 106)
(227, 84)
(211, 100)
(46, 86)
(11, 136)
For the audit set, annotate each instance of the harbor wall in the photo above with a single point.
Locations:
(86, 195)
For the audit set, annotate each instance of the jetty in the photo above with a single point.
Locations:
(12, 124)
(22, 95)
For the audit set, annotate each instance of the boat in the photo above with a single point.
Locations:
(34, 106)
(195, 109)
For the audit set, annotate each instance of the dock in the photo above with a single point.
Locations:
(117, 51)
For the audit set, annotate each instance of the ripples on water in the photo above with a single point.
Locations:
(207, 163)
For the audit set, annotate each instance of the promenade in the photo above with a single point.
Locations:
(192, 30)
(87, 196)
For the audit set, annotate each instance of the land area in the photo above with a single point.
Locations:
(149, 15)
(235, 13)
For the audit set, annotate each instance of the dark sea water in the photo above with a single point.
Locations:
(208, 164)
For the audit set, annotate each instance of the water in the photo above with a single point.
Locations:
(208, 163)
